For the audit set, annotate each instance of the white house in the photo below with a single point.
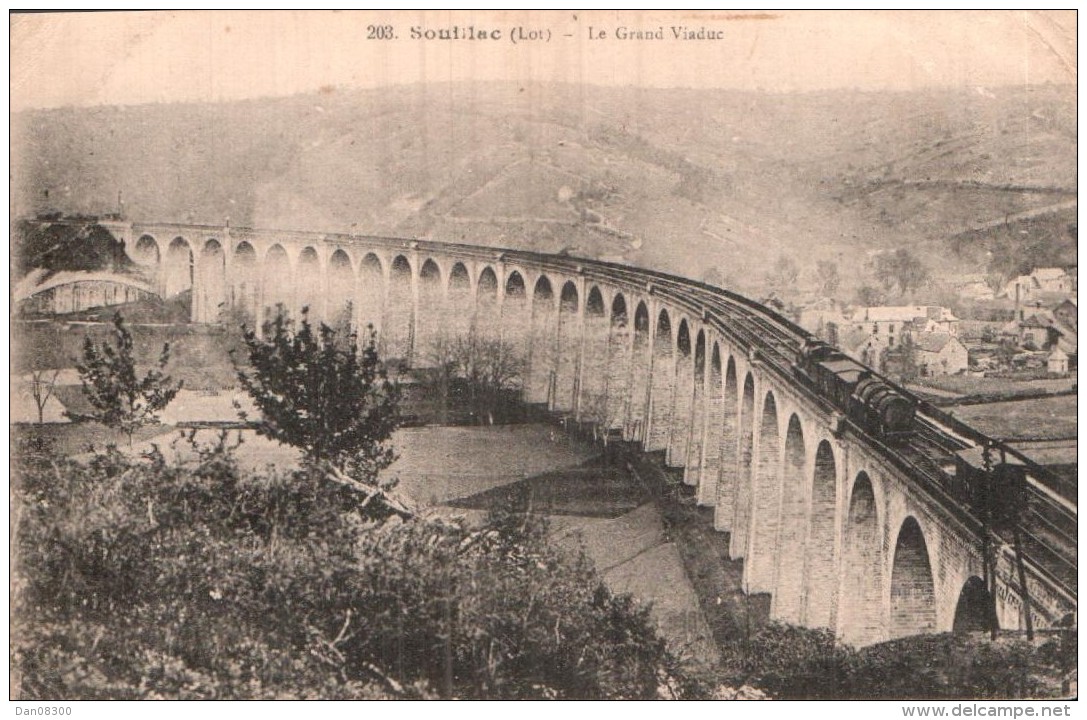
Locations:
(1057, 362)
(1053, 280)
(890, 322)
(1027, 288)
(817, 316)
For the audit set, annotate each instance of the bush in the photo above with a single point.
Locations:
(142, 579)
(790, 662)
(955, 666)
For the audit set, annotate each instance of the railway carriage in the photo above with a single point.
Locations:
(865, 398)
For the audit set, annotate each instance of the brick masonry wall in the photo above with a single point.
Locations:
(792, 544)
(820, 569)
(913, 601)
(745, 469)
(765, 518)
(682, 415)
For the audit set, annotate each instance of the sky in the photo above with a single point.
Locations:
(87, 59)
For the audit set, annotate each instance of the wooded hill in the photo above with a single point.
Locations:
(682, 180)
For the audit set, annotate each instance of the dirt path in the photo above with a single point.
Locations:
(634, 556)
(588, 501)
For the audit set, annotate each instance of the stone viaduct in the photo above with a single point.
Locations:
(829, 521)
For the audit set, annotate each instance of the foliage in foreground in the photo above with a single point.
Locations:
(798, 663)
(147, 578)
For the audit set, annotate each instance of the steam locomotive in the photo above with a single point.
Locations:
(868, 401)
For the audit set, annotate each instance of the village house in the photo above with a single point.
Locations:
(1027, 288)
(870, 334)
(1041, 328)
(1066, 314)
(1019, 288)
(1054, 280)
(1057, 362)
(864, 347)
(824, 318)
(1037, 332)
(974, 286)
(937, 353)
(890, 323)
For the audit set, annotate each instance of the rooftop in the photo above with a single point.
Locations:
(1048, 273)
(906, 313)
(931, 341)
(1038, 320)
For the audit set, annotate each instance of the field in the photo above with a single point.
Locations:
(1039, 418)
(76, 439)
(960, 385)
(199, 354)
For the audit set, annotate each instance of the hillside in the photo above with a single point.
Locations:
(682, 180)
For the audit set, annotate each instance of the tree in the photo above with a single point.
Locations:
(119, 399)
(868, 295)
(443, 358)
(42, 389)
(995, 281)
(829, 279)
(486, 367)
(901, 268)
(783, 275)
(75, 243)
(1005, 351)
(320, 392)
(489, 366)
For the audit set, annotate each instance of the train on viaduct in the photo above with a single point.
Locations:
(845, 529)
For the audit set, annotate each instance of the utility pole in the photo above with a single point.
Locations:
(989, 568)
(1016, 509)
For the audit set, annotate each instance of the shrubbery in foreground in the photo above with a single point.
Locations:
(144, 578)
(799, 663)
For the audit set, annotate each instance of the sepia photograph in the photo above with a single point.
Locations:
(544, 355)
